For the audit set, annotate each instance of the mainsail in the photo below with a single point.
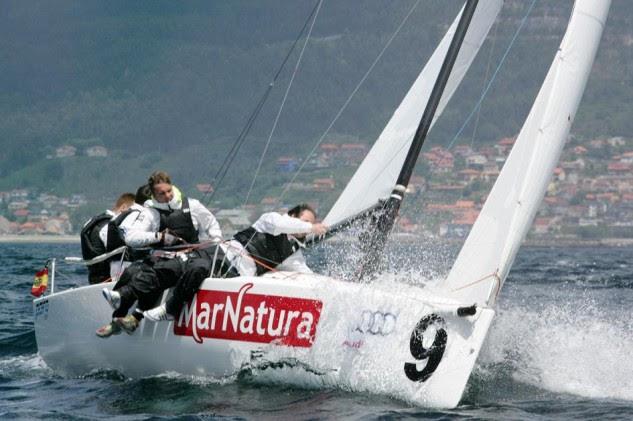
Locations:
(376, 176)
(489, 251)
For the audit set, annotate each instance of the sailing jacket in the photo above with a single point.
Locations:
(185, 217)
(92, 246)
(269, 242)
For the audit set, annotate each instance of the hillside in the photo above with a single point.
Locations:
(170, 85)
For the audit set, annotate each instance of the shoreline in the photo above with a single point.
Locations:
(552, 242)
(71, 239)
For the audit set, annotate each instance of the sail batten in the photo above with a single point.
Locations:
(516, 196)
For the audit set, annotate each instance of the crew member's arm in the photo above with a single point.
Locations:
(275, 224)
(208, 227)
(144, 230)
(128, 223)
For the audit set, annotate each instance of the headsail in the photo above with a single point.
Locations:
(490, 249)
(376, 176)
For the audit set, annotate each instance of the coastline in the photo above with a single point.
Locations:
(530, 242)
(39, 239)
(566, 242)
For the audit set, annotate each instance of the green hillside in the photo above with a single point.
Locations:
(170, 85)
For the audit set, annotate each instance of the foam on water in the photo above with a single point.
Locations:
(574, 348)
(23, 366)
(196, 380)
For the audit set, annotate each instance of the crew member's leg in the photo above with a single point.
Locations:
(197, 270)
(199, 267)
(144, 285)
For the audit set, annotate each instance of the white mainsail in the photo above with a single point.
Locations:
(376, 176)
(489, 251)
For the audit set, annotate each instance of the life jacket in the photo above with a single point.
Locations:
(91, 244)
(179, 222)
(270, 249)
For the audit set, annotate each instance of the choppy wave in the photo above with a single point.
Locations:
(19, 344)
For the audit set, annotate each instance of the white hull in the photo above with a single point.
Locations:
(324, 333)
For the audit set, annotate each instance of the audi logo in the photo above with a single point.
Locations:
(376, 323)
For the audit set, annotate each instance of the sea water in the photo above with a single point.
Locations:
(560, 347)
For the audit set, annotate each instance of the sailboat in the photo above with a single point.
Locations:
(416, 344)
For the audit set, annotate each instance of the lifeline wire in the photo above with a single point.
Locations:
(494, 75)
(492, 49)
(221, 173)
(283, 102)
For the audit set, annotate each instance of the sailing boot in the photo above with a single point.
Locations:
(128, 323)
(108, 330)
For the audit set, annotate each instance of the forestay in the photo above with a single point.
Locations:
(490, 249)
(376, 176)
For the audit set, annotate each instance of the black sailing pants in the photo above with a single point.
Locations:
(197, 269)
(145, 282)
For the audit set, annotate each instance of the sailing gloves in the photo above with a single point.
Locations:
(167, 239)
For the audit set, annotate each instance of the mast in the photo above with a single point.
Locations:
(383, 220)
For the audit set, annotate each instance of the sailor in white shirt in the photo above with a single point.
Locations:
(168, 218)
(147, 229)
(274, 241)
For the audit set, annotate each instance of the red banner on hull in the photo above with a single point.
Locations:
(240, 316)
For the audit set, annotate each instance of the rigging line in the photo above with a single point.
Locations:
(222, 171)
(283, 102)
(349, 99)
(494, 75)
(484, 92)
(63, 275)
(492, 48)
(253, 116)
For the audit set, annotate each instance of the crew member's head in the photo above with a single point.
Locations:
(123, 203)
(143, 193)
(304, 212)
(160, 185)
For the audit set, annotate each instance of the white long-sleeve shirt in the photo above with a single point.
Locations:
(125, 224)
(143, 231)
(275, 224)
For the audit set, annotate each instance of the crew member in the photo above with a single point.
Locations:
(93, 238)
(169, 218)
(272, 242)
(113, 234)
